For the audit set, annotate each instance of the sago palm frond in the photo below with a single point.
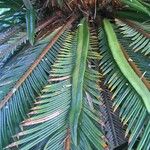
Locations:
(130, 93)
(16, 79)
(136, 59)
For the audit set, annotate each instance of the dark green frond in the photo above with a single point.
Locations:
(52, 107)
(20, 82)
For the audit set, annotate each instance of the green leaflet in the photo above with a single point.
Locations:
(30, 23)
(144, 139)
(124, 66)
(77, 78)
(30, 20)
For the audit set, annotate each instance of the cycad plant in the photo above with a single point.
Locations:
(74, 74)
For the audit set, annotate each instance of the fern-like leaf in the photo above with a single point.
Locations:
(140, 62)
(133, 109)
(18, 75)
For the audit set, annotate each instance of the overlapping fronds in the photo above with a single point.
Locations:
(140, 40)
(50, 77)
(52, 123)
(134, 108)
(15, 38)
(141, 63)
(15, 13)
(85, 92)
(22, 78)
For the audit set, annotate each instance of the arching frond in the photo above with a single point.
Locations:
(133, 109)
(21, 79)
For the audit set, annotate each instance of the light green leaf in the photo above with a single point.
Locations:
(78, 77)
